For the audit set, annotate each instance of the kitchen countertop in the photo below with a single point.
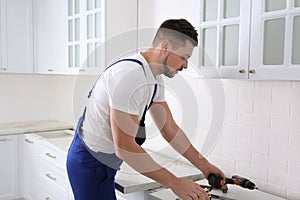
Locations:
(32, 126)
(234, 192)
(127, 179)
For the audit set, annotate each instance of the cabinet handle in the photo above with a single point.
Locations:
(51, 156)
(241, 71)
(82, 70)
(30, 142)
(47, 198)
(50, 70)
(3, 139)
(252, 71)
(51, 177)
(4, 69)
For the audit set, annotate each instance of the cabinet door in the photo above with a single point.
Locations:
(224, 38)
(86, 36)
(51, 35)
(276, 40)
(29, 163)
(9, 168)
(16, 36)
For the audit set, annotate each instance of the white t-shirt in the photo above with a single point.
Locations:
(125, 86)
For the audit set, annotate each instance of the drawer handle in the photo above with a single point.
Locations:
(51, 156)
(3, 139)
(51, 177)
(30, 142)
(48, 198)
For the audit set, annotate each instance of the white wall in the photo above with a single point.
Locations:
(27, 97)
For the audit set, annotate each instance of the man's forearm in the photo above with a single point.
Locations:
(180, 142)
(141, 161)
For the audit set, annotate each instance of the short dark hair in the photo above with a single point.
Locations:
(177, 31)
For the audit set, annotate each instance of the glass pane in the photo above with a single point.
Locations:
(209, 47)
(90, 55)
(296, 41)
(98, 25)
(77, 29)
(71, 64)
(70, 30)
(272, 5)
(97, 3)
(274, 34)
(77, 56)
(231, 8)
(90, 26)
(98, 55)
(89, 5)
(77, 6)
(230, 45)
(70, 7)
(210, 11)
(297, 3)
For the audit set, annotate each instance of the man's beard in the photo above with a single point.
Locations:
(166, 70)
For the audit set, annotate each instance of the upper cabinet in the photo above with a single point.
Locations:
(250, 39)
(275, 36)
(80, 36)
(50, 36)
(224, 38)
(16, 36)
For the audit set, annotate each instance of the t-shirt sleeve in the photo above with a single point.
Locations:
(126, 90)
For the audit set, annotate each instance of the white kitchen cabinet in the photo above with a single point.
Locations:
(50, 36)
(266, 48)
(16, 32)
(44, 167)
(224, 38)
(29, 166)
(275, 41)
(9, 168)
(99, 32)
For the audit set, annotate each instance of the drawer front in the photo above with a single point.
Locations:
(44, 194)
(55, 179)
(52, 156)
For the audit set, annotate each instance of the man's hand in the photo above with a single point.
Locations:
(188, 190)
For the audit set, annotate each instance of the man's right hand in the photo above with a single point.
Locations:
(188, 190)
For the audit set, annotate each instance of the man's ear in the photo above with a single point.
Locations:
(165, 45)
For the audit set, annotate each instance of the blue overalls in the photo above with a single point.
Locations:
(90, 178)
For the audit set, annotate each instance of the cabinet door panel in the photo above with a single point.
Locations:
(274, 35)
(274, 41)
(296, 41)
(51, 28)
(271, 5)
(17, 30)
(9, 168)
(230, 49)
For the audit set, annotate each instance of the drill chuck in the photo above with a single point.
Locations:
(243, 182)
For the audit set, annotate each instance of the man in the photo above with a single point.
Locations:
(106, 133)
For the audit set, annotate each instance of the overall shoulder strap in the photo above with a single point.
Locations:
(125, 59)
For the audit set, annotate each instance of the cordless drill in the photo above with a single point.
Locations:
(216, 181)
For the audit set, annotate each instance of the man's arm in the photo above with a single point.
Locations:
(124, 128)
(173, 134)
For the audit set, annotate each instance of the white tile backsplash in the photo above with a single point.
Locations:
(267, 132)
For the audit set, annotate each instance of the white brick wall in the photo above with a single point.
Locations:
(261, 135)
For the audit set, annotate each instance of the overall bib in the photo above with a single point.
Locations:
(90, 178)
